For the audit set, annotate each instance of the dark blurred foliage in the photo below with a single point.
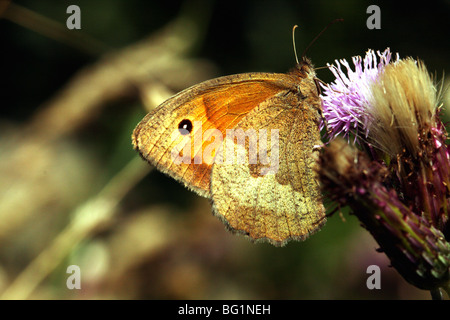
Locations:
(160, 240)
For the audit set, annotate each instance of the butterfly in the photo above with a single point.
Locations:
(248, 142)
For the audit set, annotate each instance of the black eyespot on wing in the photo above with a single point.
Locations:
(185, 127)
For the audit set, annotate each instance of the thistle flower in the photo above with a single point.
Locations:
(400, 187)
(346, 101)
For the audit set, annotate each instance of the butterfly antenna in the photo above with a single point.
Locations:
(317, 37)
(293, 42)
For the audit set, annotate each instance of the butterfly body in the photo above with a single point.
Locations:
(249, 143)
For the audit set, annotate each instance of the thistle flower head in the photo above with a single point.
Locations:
(346, 101)
(400, 189)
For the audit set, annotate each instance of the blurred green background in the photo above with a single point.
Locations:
(74, 192)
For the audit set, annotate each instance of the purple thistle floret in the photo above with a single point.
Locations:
(345, 101)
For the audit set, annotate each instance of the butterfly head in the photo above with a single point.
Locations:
(304, 68)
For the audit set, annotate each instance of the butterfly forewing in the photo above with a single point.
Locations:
(217, 104)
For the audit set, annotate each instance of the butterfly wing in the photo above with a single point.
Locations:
(280, 199)
(207, 109)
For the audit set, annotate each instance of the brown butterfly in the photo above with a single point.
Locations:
(214, 137)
